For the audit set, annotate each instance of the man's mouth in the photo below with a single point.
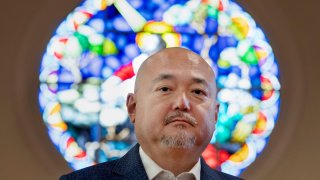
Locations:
(180, 120)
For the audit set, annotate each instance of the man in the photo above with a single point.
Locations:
(174, 111)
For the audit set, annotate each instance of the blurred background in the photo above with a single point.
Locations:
(291, 27)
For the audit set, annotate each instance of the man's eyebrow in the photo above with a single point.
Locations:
(200, 81)
(163, 77)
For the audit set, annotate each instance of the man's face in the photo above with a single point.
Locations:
(174, 105)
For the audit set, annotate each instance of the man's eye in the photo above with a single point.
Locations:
(199, 92)
(164, 89)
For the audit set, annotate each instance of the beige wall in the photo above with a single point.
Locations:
(292, 27)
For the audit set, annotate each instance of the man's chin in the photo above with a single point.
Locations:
(181, 139)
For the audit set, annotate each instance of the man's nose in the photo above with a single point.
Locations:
(181, 102)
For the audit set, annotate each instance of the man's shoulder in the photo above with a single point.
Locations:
(98, 171)
(209, 173)
(127, 167)
(226, 176)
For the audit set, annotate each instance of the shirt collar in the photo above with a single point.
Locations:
(152, 168)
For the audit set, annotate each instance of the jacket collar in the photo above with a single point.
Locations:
(207, 172)
(130, 165)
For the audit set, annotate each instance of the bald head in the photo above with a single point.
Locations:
(174, 107)
(169, 57)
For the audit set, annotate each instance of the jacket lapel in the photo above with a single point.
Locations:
(207, 172)
(130, 165)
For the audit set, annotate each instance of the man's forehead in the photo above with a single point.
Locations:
(191, 78)
(183, 68)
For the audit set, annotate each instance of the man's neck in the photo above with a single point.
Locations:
(176, 160)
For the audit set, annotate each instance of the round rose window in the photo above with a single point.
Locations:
(90, 64)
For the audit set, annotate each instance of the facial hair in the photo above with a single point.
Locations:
(182, 138)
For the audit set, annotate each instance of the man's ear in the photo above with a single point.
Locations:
(216, 112)
(131, 107)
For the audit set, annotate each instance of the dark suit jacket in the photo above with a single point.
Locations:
(130, 167)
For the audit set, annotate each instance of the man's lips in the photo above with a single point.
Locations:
(181, 120)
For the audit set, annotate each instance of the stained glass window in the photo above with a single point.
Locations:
(91, 61)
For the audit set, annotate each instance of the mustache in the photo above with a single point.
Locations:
(180, 115)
